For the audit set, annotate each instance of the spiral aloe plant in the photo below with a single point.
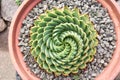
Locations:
(62, 41)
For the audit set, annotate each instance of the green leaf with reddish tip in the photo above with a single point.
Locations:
(43, 47)
(42, 24)
(42, 56)
(34, 29)
(47, 52)
(76, 21)
(52, 15)
(52, 24)
(40, 30)
(55, 63)
(45, 65)
(34, 44)
(39, 36)
(62, 19)
(40, 41)
(83, 66)
(57, 21)
(69, 19)
(47, 19)
(42, 16)
(59, 13)
(57, 73)
(39, 61)
(49, 71)
(37, 50)
(76, 13)
(66, 11)
(48, 60)
(33, 53)
(60, 69)
(91, 58)
(75, 71)
(52, 68)
(66, 72)
(33, 36)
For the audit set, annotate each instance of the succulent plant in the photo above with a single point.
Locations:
(18, 2)
(62, 41)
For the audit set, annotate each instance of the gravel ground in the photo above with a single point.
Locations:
(103, 24)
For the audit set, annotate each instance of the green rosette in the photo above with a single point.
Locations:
(63, 41)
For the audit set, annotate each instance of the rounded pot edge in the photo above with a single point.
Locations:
(16, 56)
(113, 68)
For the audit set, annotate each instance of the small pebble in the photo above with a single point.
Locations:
(22, 30)
(42, 75)
(102, 61)
(93, 74)
(36, 71)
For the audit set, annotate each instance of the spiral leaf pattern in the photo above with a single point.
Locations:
(62, 41)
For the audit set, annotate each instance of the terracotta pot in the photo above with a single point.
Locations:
(109, 73)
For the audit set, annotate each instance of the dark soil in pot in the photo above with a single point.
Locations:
(102, 23)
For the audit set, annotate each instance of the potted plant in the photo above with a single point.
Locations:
(65, 40)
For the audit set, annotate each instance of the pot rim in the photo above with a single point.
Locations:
(17, 60)
(113, 68)
(20, 65)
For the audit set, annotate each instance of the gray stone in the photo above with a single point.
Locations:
(21, 43)
(55, 79)
(68, 78)
(23, 36)
(106, 44)
(42, 75)
(51, 76)
(22, 49)
(35, 65)
(19, 38)
(44, 7)
(37, 71)
(112, 43)
(26, 40)
(105, 64)
(93, 20)
(24, 58)
(101, 31)
(8, 9)
(99, 14)
(26, 44)
(94, 74)
(102, 61)
(2, 25)
(110, 38)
